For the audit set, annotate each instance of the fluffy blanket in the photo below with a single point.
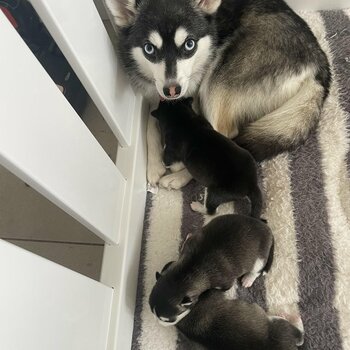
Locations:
(307, 205)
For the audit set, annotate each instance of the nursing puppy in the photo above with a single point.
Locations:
(229, 247)
(221, 324)
(213, 160)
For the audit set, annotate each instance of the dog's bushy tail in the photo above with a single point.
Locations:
(286, 127)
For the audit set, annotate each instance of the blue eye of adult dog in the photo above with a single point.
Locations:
(149, 49)
(190, 44)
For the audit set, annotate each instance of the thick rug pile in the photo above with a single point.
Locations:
(307, 205)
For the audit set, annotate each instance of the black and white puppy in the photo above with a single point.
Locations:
(221, 324)
(229, 247)
(227, 170)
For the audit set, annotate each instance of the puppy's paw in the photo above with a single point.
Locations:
(175, 181)
(198, 207)
(155, 170)
(152, 189)
(248, 279)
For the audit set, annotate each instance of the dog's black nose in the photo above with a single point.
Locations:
(172, 91)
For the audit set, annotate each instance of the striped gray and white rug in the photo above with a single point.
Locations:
(308, 208)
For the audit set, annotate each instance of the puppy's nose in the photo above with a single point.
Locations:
(172, 90)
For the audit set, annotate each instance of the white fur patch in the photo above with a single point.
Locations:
(198, 207)
(159, 76)
(155, 167)
(155, 39)
(164, 319)
(249, 278)
(178, 319)
(271, 318)
(190, 70)
(175, 181)
(153, 71)
(142, 62)
(180, 36)
(175, 167)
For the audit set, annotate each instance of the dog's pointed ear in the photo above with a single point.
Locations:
(122, 11)
(208, 6)
(165, 267)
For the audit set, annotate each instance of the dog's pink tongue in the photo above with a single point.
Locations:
(172, 91)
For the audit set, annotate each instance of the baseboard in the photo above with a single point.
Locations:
(121, 262)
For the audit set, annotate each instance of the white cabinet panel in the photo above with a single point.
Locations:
(45, 143)
(78, 30)
(44, 306)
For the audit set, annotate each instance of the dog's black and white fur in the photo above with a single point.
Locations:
(260, 73)
(229, 247)
(227, 170)
(238, 325)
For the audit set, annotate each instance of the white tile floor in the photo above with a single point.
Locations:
(30, 221)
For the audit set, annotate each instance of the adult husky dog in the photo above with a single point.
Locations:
(261, 76)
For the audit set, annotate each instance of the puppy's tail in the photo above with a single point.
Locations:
(286, 127)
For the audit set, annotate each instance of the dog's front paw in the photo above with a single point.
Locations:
(198, 207)
(155, 170)
(176, 180)
(177, 166)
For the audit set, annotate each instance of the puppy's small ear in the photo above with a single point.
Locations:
(156, 114)
(189, 101)
(123, 11)
(166, 266)
(208, 6)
